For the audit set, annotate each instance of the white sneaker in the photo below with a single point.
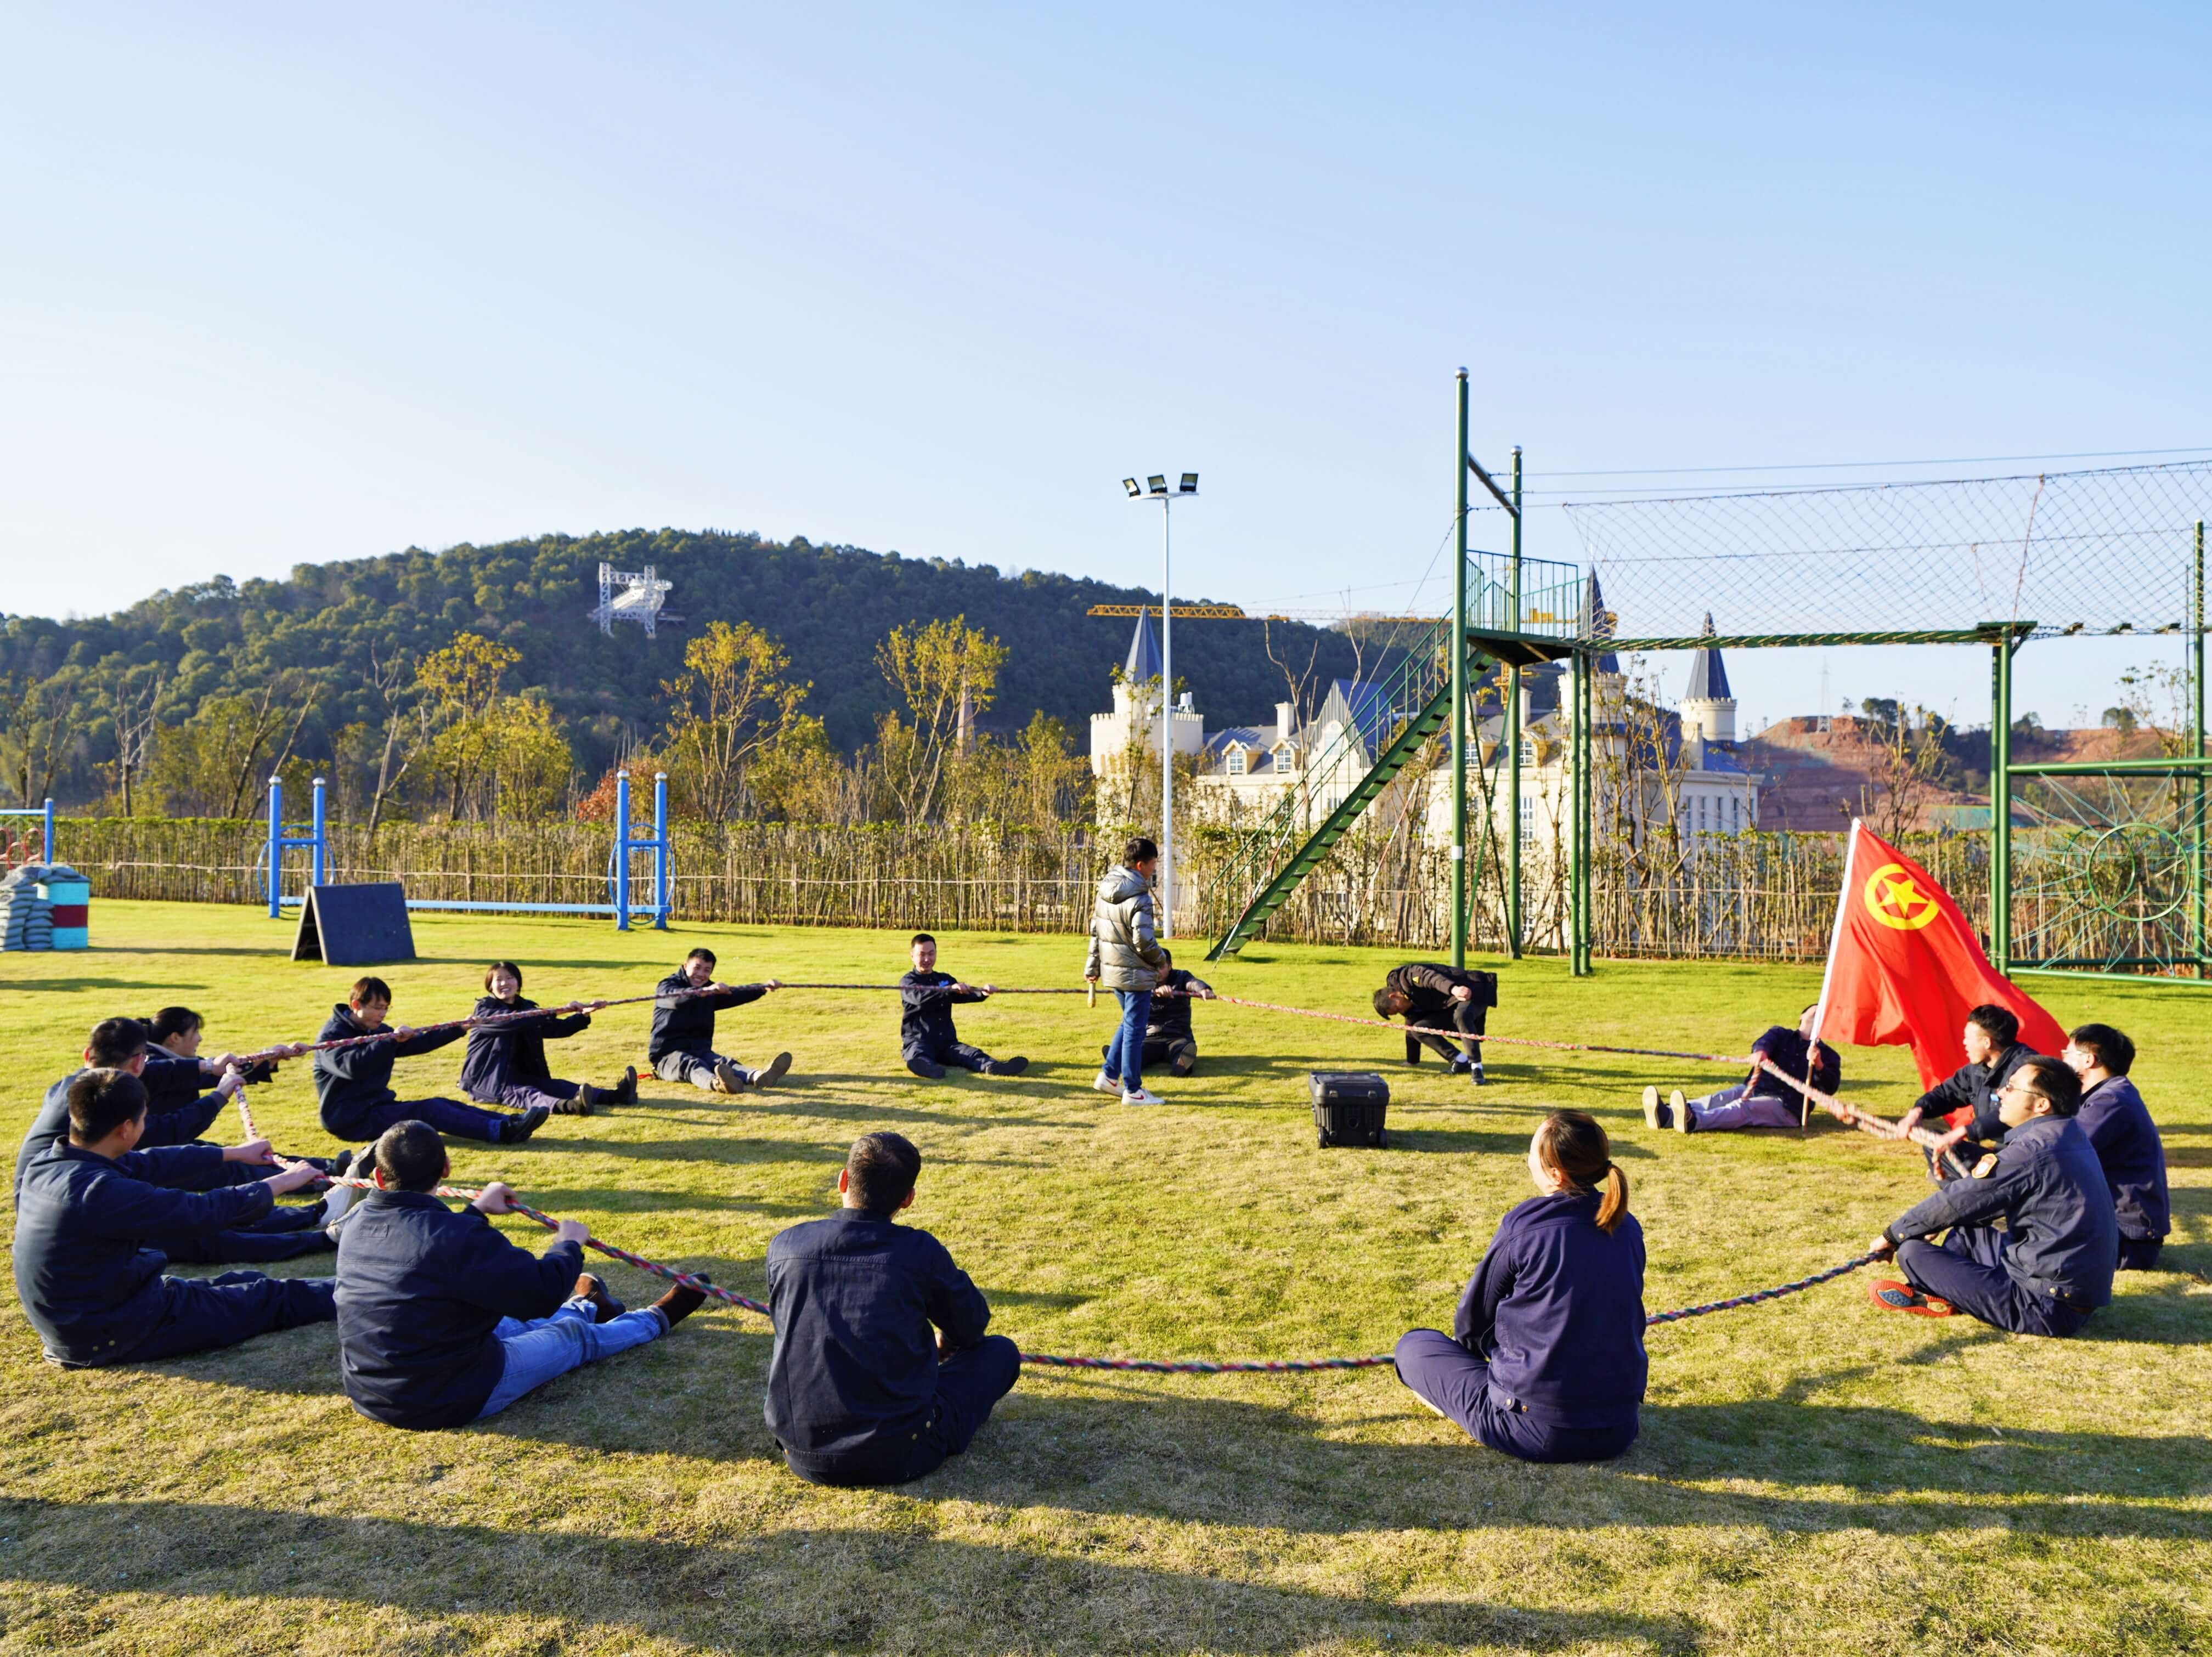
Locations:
(1105, 1083)
(338, 1201)
(1141, 1097)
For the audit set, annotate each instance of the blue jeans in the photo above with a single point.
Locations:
(1125, 1052)
(537, 1351)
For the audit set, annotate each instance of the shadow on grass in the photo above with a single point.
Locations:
(62, 986)
(787, 1589)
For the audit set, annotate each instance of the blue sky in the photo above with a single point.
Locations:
(290, 284)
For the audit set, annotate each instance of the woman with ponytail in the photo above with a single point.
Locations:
(1546, 1357)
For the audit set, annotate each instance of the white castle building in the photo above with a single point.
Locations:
(1247, 766)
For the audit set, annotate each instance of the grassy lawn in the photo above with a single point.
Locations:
(1814, 1475)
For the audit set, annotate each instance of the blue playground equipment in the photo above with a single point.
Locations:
(46, 814)
(315, 841)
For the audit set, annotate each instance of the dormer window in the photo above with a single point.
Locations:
(1232, 759)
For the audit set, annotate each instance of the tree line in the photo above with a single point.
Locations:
(470, 683)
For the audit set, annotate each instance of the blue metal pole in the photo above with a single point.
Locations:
(660, 851)
(276, 846)
(321, 864)
(48, 854)
(622, 851)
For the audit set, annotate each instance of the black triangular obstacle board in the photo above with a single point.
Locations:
(364, 925)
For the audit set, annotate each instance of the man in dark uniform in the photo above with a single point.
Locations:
(1168, 1039)
(1966, 1100)
(442, 1321)
(282, 1234)
(927, 1040)
(2051, 1265)
(1430, 996)
(89, 1220)
(353, 1084)
(682, 1048)
(881, 1368)
(2118, 1124)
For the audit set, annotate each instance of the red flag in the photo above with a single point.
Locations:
(1904, 967)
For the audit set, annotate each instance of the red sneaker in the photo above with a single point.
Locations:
(1895, 1296)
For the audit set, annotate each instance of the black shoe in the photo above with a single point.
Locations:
(605, 1308)
(1013, 1066)
(679, 1302)
(515, 1129)
(928, 1069)
(580, 1104)
(625, 1091)
(1474, 1070)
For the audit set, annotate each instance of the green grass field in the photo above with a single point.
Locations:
(1814, 1475)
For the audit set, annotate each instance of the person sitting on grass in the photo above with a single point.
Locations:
(1966, 1100)
(1126, 955)
(1430, 996)
(354, 1083)
(174, 1070)
(442, 1321)
(1760, 1100)
(861, 1388)
(506, 1062)
(1168, 1038)
(1545, 1358)
(96, 1219)
(927, 1040)
(683, 1045)
(284, 1232)
(2051, 1265)
(2119, 1124)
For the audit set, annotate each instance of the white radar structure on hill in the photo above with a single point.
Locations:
(628, 594)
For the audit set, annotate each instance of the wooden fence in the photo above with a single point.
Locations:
(1754, 896)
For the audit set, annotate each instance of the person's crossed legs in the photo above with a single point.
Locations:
(1455, 1383)
(1968, 1271)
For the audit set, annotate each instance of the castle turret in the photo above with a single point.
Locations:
(1709, 706)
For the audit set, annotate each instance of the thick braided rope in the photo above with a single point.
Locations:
(1504, 1040)
(1866, 1122)
(285, 1050)
(1146, 1366)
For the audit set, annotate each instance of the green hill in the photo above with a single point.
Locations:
(827, 604)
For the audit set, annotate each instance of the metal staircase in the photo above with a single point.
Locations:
(1408, 708)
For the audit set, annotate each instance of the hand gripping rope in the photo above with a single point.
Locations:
(1148, 1366)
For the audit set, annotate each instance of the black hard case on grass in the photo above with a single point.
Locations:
(1348, 1106)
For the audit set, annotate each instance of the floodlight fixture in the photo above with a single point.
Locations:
(1190, 484)
(1157, 483)
(1130, 484)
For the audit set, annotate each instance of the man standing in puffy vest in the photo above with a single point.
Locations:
(1127, 957)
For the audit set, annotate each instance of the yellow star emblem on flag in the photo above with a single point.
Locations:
(1894, 898)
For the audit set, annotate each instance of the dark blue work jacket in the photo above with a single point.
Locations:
(163, 1127)
(1170, 1019)
(420, 1290)
(2050, 1187)
(1974, 1087)
(87, 1233)
(925, 1004)
(2118, 1124)
(354, 1081)
(1557, 1310)
(854, 1297)
(688, 1025)
(1786, 1050)
(504, 1055)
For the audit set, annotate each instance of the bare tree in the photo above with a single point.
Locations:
(132, 695)
(392, 677)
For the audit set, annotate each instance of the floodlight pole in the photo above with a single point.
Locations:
(1165, 921)
(1459, 698)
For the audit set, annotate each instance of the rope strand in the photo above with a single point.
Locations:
(1147, 1366)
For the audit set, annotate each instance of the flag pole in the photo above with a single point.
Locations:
(1836, 933)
